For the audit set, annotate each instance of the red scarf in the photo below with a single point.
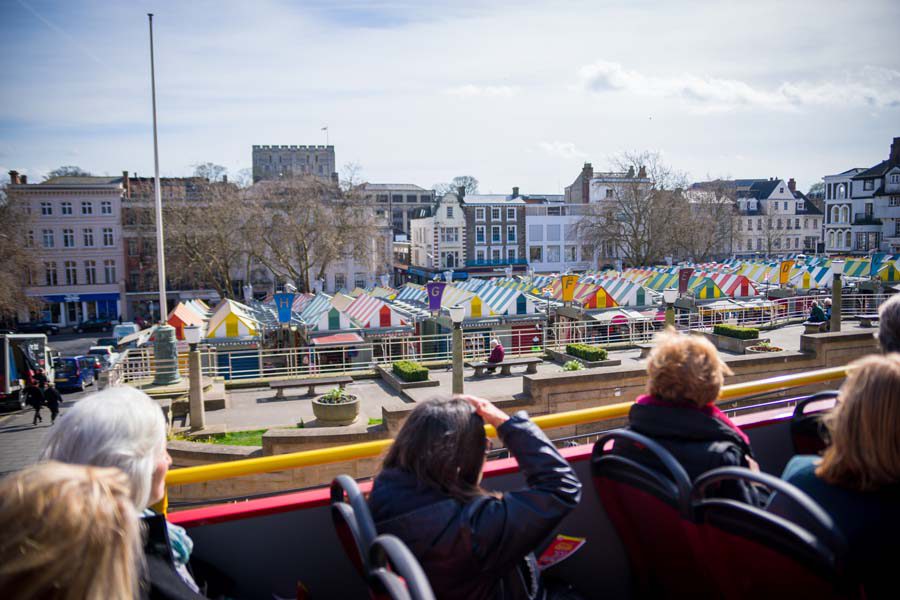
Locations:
(710, 410)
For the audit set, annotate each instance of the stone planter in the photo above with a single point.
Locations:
(400, 385)
(562, 358)
(730, 344)
(336, 414)
(763, 349)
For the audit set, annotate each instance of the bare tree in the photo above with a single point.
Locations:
(67, 171)
(210, 171)
(465, 181)
(18, 265)
(706, 230)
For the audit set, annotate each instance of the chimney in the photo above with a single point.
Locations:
(630, 172)
(461, 192)
(126, 183)
(642, 172)
(895, 151)
(14, 177)
(224, 178)
(792, 185)
(587, 173)
(515, 193)
(24, 179)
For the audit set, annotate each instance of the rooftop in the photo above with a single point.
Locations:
(391, 187)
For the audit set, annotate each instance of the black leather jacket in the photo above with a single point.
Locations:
(479, 549)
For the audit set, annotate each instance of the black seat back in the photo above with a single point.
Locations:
(396, 572)
(752, 552)
(352, 521)
(646, 494)
(807, 430)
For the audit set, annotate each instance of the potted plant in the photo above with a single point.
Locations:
(573, 365)
(763, 347)
(336, 407)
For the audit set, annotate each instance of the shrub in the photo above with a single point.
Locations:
(335, 396)
(586, 352)
(573, 365)
(410, 371)
(741, 333)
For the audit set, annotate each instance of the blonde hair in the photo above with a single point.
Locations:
(864, 453)
(69, 532)
(685, 369)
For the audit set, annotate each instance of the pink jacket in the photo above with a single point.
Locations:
(497, 354)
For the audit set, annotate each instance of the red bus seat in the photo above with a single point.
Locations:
(807, 430)
(352, 521)
(396, 572)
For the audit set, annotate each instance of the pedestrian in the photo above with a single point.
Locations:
(34, 398)
(816, 314)
(52, 399)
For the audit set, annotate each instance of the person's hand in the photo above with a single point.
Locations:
(487, 411)
(752, 465)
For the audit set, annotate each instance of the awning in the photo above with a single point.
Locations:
(338, 339)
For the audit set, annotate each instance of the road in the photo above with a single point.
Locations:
(73, 344)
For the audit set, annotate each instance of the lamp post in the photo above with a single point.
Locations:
(457, 314)
(195, 391)
(669, 297)
(837, 269)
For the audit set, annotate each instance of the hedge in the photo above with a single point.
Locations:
(410, 370)
(741, 333)
(586, 352)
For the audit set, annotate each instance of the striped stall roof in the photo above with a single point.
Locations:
(314, 308)
(412, 292)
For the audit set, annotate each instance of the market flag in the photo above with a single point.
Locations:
(684, 278)
(875, 264)
(435, 293)
(784, 271)
(284, 302)
(568, 287)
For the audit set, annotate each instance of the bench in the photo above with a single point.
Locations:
(481, 366)
(645, 349)
(868, 320)
(309, 384)
(815, 327)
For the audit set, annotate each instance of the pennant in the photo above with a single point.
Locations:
(435, 293)
(875, 265)
(284, 303)
(568, 287)
(784, 271)
(684, 278)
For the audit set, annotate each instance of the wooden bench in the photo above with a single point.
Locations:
(481, 366)
(868, 320)
(309, 384)
(645, 349)
(811, 327)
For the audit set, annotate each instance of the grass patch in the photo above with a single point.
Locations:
(240, 438)
(376, 421)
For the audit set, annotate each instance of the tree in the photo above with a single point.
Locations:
(707, 228)
(210, 171)
(638, 220)
(466, 181)
(816, 189)
(67, 171)
(18, 264)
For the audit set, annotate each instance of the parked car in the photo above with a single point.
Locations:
(94, 325)
(44, 327)
(105, 355)
(107, 341)
(74, 373)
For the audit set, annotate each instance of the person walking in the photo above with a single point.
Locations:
(34, 398)
(52, 399)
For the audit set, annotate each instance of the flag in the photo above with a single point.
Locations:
(875, 265)
(435, 293)
(568, 287)
(684, 278)
(784, 271)
(284, 303)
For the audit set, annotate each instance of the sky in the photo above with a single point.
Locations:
(415, 91)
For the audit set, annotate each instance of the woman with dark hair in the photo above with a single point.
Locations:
(472, 543)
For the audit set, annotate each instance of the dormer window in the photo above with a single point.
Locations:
(781, 190)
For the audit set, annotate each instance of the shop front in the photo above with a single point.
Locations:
(70, 309)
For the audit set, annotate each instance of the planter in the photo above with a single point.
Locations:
(562, 358)
(400, 385)
(730, 344)
(763, 349)
(344, 413)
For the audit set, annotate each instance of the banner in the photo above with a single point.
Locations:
(784, 271)
(568, 287)
(435, 293)
(875, 265)
(284, 303)
(684, 278)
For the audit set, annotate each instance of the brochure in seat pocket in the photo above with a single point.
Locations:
(561, 548)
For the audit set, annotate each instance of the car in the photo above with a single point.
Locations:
(94, 325)
(107, 341)
(44, 327)
(74, 373)
(104, 354)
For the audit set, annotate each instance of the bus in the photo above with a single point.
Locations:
(21, 356)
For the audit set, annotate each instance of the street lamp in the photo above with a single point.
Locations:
(670, 295)
(195, 391)
(837, 269)
(457, 314)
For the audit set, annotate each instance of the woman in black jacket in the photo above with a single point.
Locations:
(472, 543)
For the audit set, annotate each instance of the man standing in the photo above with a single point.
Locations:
(52, 399)
(35, 399)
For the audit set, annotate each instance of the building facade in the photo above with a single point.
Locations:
(280, 162)
(401, 201)
(438, 243)
(77, 237)
(495, 234)
(773, 218)
(552, 240)
(839, 210)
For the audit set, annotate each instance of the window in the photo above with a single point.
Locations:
(359, 280)
(106, 207)
(511, 254)
(65, 208)
(87, 208)
(553, 233)
(68, 238)
(535, 254)
(806, 223)
(554, 211)
(340, 281)
(785, 204)
(29, 239)
(132, 247)
(381, 198)
(797, 223)
(88, 235)
(553, 254)
(894, 201)
(134, 280)
(759, 243)
(495, 255)
(90, 272)
(449, 234)
(71, 272)
(47, 234)
(479, 214)
(46, 208)
(895, 178)
(397, 198)
(109, 269)
(571, 253)
(789, 223)
(50, 273)
(495, 234)
(479, 255)
(411, 198)
(108, 236)
(796, 242)
(495, 214)
(868, 184)
(740, 225)
(479, 234)
(609, 193)
(510, 233)
(424, 198)
(510, 214)
(449, 212)
(536, 233)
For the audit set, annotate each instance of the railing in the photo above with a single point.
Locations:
(253, 466)
(265, 364)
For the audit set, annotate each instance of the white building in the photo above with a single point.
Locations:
(552, 237)
(839, 210)
(773, 218)
(401, 201)
(77, 236)
(438, 242)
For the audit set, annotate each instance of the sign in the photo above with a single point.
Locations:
(684, 278)
(284, 303)
(561, 548)
(875, 264)
(784, 271)
(568, 287)
(435, 291)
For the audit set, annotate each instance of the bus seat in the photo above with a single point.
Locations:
(396, 572)
(352, 521)
(807, 430)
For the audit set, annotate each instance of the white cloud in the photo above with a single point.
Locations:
(565, 150)
(485, 91)
(874, 87)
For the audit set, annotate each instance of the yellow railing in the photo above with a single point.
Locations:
(308, 458)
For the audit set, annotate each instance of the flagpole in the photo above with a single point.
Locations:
(160, 250)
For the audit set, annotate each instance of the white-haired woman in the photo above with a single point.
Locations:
(123, 427)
